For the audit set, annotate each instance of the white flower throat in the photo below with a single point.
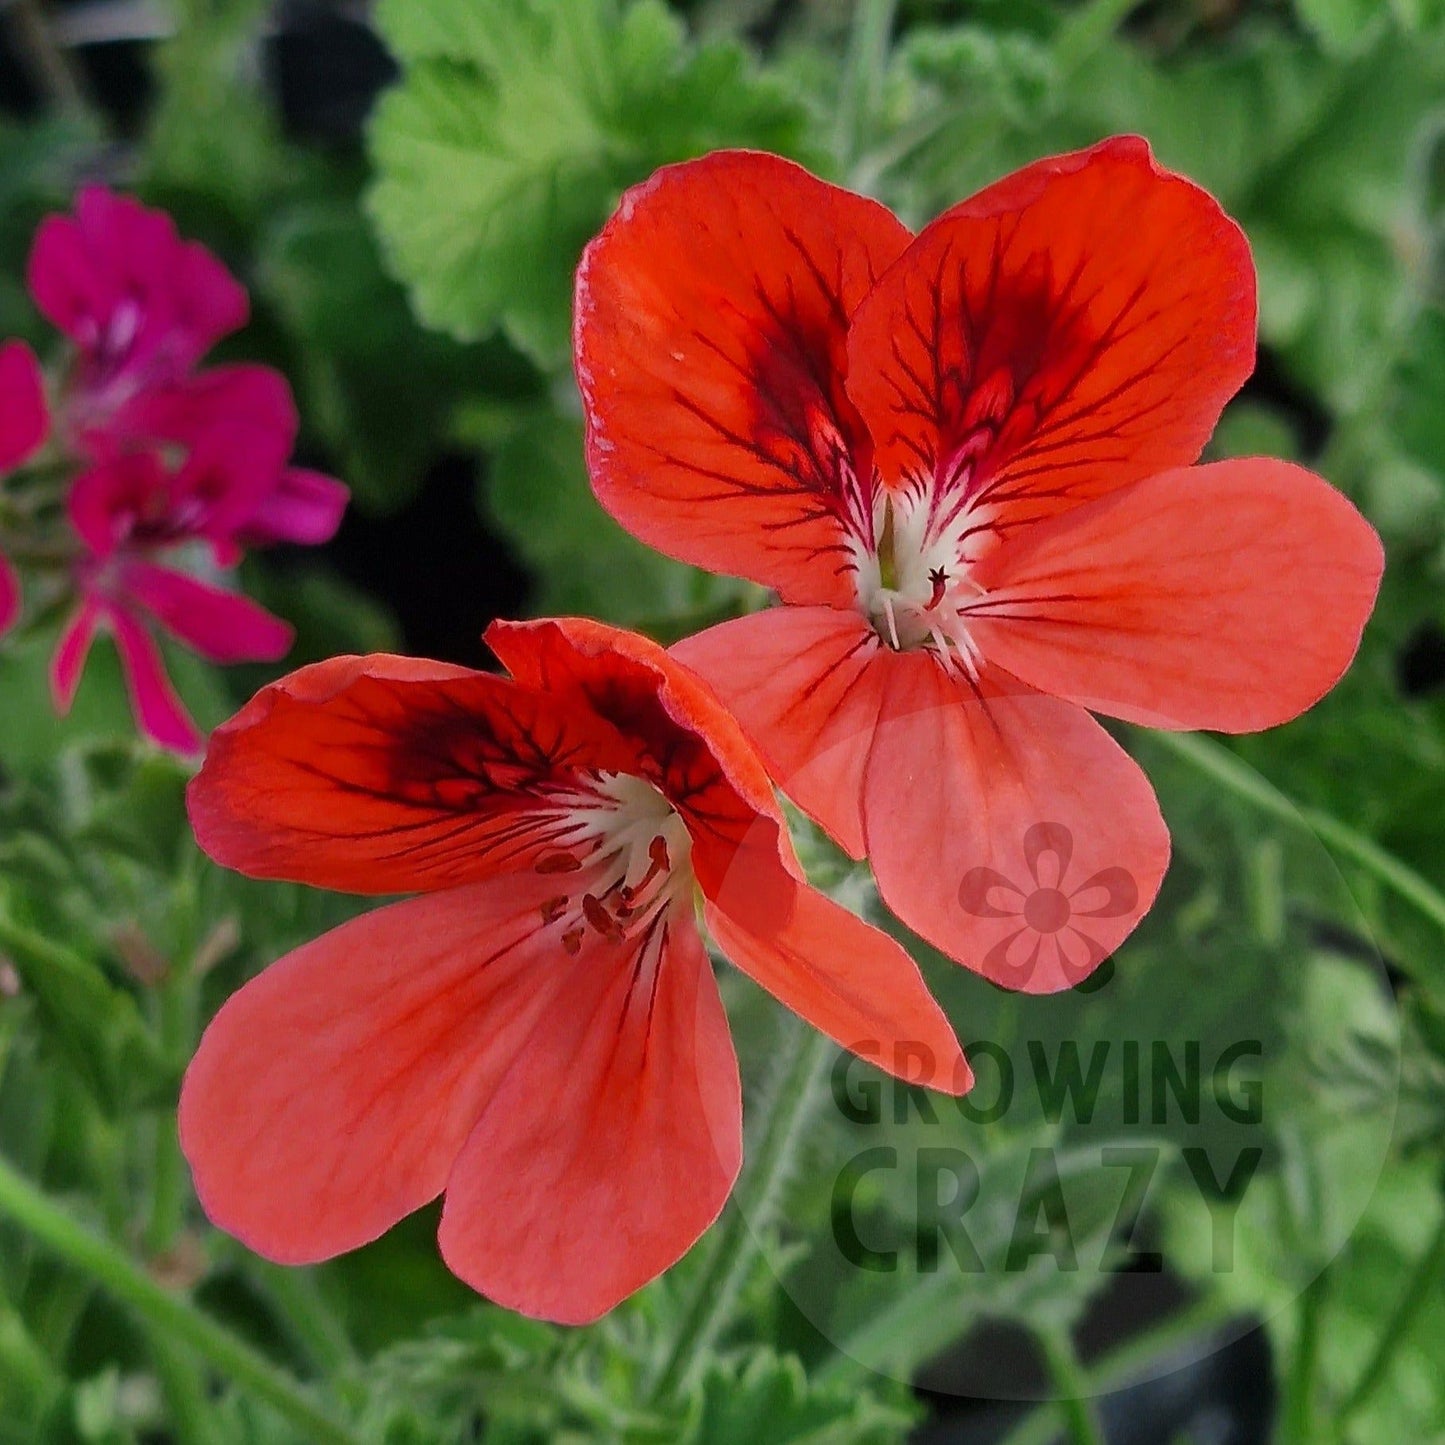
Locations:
(915, 587)
(625, 852)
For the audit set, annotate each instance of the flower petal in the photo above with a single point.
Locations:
(110, 500)
(848, 979)
(1229, 596)
(963, 779)
(24, 417)
(222, 626)
(120, 282)
(9, 595)
(386, 775)
(681, 735)
(611, 1143)
(711, 321)
(799, 680)
(159, 711)
(71, 652)
(333, 1093)
(1072, 328)
(304, 508)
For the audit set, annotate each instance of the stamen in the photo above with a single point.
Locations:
(572, 940)
(939, 580)
(600, 919)
(553, 909)
(558, 863)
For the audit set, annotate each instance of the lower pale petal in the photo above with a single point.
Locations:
(1229, 596)
(333, 1093)
(611, 1143)
(799, 680)
(848, 979)
(1006, 827)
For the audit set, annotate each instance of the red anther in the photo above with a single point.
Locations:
(558, 863)
(657, 851)
(553, 909)
(572, 941)
(600, 918)
(939, 578)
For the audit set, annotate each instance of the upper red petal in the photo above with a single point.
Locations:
(799, 680)
(1229, 596)
(611, 1142)
(710, 340)
(968, 787)
(1074, 327)
(384, 775)
(682, 738)
(334, 1092)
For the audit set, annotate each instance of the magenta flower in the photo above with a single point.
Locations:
(174, 472)
(232, 429)
(24, 425)
(141, 305)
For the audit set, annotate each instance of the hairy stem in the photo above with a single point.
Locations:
(1424, 1282)
(738, 1242)
(1072, 1388)
(169, 1315)
(1217, 762)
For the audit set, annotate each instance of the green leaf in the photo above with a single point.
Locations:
(537, 492)
(516, 128)
(378, 388)
(768, 1397)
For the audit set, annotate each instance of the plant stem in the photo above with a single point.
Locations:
(1198, 1324)
(739, 1239)
(1225, 768)
(1072, 1387)
(1300, 1418)
(1087, 28)
(170, 1315)
(865, 68)
(1423, 1284)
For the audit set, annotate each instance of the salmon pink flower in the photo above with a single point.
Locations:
(24, 426)
(539, 1035)
(141, 305)
(963, 462)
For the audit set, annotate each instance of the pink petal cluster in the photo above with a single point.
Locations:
(175, 471)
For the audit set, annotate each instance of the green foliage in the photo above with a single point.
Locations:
(421, 303)
(517, 127)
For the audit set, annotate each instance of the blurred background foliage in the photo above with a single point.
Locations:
(405, 189)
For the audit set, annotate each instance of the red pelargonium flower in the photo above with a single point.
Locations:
(962, 460)
(141, 305)
(24, 426)
(539, 1035)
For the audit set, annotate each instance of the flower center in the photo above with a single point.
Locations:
(626, 854)
(915, 589)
